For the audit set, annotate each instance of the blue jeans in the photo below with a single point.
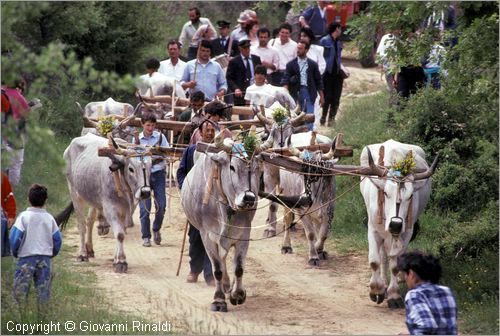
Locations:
(306, 103)
(157, 183)
(36, 268)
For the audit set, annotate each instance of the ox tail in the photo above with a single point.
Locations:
(63, 218)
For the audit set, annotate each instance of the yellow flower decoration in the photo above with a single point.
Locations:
(404, 166)
(105, 124)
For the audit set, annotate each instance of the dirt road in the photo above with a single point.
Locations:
(284, 295)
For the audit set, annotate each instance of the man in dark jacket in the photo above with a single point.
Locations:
(199, 259)
(303, 80)
(241, 72)
(221, 44)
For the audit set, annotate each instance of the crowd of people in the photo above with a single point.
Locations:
(223, 64)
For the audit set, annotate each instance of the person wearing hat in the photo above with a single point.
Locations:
(245, 17)
(222, 44)
(241, 72)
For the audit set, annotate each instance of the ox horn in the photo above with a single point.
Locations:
(429, 172)
(85, 119)
(375, 170)
(294, 113)
(293, 150)
(331, 152)
(298, 119)
(261, 115)
(219, 143)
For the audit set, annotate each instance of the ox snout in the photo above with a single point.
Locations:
(145, 193)
(396, 225)
(248, 201)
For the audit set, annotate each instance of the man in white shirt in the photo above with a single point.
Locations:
(174, 66)
(268, 56)
(190, 28)
(286, 48)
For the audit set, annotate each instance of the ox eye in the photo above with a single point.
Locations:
(130, 169)
(232, 168)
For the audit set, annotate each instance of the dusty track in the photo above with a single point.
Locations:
(284, 296)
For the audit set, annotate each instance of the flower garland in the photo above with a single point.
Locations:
(106, 124)
(280, 115)
(404, 166)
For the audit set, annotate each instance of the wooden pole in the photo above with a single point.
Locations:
(182, 248)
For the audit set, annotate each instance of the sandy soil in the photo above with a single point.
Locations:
(284, 295)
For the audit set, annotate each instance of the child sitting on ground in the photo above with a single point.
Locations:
(34, 239)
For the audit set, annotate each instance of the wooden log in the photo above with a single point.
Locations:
(339, 152)
(170, 151)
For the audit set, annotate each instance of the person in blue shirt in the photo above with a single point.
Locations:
(430, 307)
(34, 239)
(150, 137)
(315, 18)
(203, 74)
(199, 259)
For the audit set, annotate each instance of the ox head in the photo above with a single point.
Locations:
(395, 196)
(279, 132)
(239, 173)
(135, 165)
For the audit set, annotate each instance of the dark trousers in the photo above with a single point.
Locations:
(199, 258)
(409, 79)
(332, 84)
(5, 237)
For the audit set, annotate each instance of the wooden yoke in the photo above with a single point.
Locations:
(380, 195)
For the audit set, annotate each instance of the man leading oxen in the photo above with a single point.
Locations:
(219, 197)
(114, 195)
(394, 199)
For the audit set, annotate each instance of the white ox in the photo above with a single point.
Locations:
(105, 108)
(219, 197)
(159, 84)
(310, 196)
(272, 177)
(91, 184)
(393, 205)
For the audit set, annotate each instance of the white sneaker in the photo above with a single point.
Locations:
(147, 242)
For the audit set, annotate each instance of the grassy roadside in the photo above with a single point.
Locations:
(365, 122)
(75, 296)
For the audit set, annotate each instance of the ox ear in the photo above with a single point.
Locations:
(117, 162)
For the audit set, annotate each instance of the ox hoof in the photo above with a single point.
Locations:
(102, 230)
(378, 298)
(82, 258)
(286, 250)
(239, 297)
(269, 233)
(313, 262)
(91, 254)
(121, 267)
(323, 255)
(396, 303)
(218, 307)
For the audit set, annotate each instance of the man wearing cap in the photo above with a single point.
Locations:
(190, 28)
(203, 74)
(241, 72)
(220, 45)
